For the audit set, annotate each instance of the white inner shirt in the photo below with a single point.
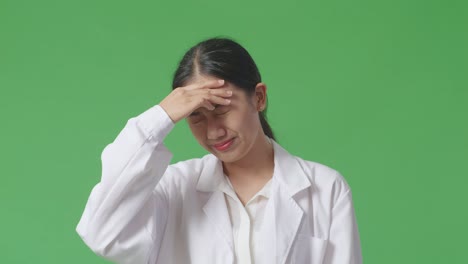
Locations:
(246, 221)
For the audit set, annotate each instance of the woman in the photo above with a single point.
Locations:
(249, 201)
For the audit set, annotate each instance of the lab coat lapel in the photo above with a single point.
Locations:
(283, 216)
(215, 208)
(218, 215)
(282, 220)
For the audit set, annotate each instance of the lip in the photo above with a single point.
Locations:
(223, 145)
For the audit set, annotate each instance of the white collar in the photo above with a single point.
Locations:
(226, 187)
(287, 172)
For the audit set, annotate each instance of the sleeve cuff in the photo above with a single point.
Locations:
(155, 122)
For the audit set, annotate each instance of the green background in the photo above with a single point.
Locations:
(375, 89)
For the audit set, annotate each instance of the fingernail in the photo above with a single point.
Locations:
(228, 101)
(221, 81)
(229, 92)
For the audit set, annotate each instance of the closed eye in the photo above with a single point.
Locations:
(194, 114)
(195, 117)
(221, 110)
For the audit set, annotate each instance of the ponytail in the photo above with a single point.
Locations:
(265, 126)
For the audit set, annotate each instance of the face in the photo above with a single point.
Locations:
(228, 132)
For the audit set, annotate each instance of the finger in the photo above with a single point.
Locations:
(215, 84)
(205, 93)
(204, 85)
(219, 100)
(199, 98)
(208, 105)
(204, 98)
(223, 92)
(209, 101)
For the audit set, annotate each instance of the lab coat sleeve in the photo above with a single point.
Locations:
(126, 212)
(344, 243)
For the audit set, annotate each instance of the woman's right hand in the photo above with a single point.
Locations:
(182, 101)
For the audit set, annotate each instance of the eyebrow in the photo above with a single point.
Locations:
(194, 113)
(198, 112)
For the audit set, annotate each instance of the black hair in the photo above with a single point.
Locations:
(226, 59)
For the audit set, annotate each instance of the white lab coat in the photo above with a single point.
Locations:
(147, 211)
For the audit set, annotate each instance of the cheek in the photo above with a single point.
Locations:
(197, 131)
(245, 122)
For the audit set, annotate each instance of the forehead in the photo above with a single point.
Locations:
(198, 78)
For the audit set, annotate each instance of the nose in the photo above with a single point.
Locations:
(214, 129)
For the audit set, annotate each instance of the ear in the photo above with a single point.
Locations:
(260, 97)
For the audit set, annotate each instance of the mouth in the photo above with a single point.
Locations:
(224, 145)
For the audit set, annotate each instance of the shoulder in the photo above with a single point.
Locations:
(321, 180)
(189, 166)
(324, 179)
(319, 172)
(187, 172)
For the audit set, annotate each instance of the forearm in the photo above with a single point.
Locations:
(131, 168)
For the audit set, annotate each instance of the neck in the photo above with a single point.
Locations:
(258, 163)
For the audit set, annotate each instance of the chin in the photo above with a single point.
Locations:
(230, 156)
(226, 158)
